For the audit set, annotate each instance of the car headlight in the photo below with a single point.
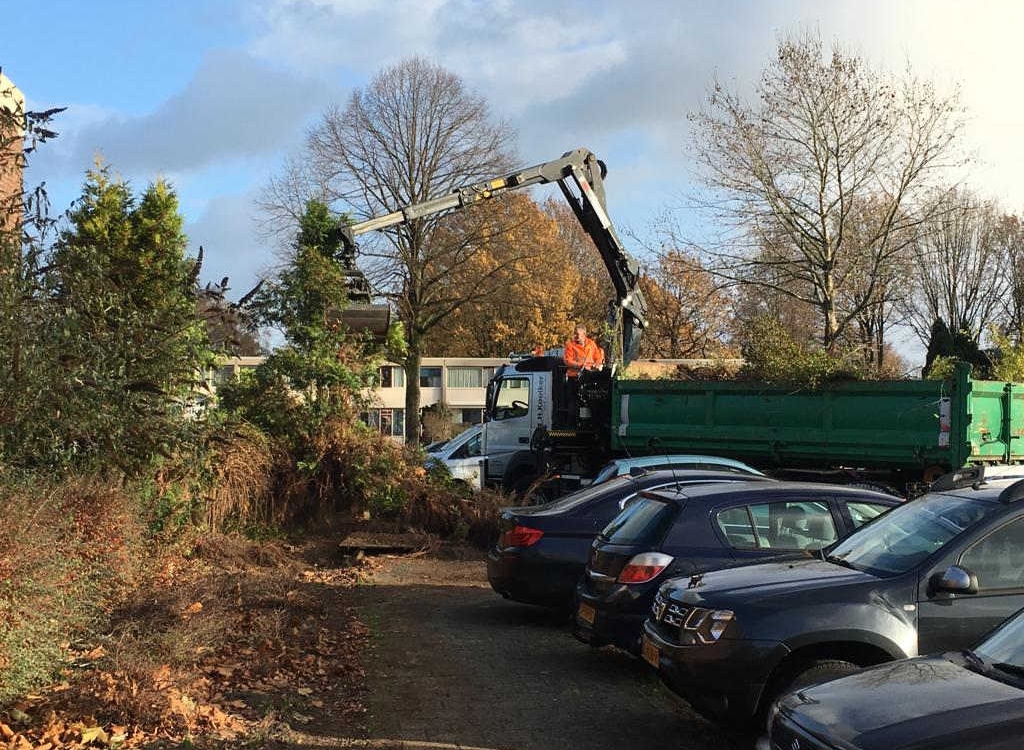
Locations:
(704, 625)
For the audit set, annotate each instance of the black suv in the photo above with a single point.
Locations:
(931, 575)
(960, 699)
(685, 530)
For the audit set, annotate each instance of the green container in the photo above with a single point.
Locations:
(924, 427)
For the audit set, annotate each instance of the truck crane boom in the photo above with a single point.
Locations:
(628, 311)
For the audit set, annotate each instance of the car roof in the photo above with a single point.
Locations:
(682, 475)
(713, 492)
(987, 490)
(681, 458)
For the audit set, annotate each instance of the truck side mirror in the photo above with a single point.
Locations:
(953, 580)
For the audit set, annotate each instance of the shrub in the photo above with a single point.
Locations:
(67, 552)
(774, 356)
(1009, 364)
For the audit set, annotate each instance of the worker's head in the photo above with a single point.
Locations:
(579, 334)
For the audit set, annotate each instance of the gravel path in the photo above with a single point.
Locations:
(452, 665)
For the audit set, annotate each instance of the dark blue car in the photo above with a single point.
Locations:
(542, 550)
(686, 531)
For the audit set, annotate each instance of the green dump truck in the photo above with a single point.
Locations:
(540, 422)
(896, 433)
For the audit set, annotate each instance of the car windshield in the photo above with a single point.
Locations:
(1005, 647)
(643, 521)
(897, 541)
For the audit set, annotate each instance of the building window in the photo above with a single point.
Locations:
(430, 377)
(392, 377)
(389, 422)
(223, 375)
(471, 416)
(466, 377)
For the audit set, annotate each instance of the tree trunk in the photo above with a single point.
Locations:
(828, 308)
(880, 348)
(411, 365)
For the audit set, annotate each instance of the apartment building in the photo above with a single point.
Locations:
(12, 131)
(459, 382)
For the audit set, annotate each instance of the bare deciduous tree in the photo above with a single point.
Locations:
(823, 141)
(1009, 238)
(687, 316)
(414, 133)
(960, 270)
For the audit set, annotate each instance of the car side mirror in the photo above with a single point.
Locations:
(953, 580)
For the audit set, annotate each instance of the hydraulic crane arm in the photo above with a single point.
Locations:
(628, 311)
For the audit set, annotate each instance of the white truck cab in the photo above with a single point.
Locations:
(518, 403)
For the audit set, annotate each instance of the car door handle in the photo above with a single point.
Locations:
(524, 440)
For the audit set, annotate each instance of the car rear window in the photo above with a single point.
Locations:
(644, 520)
(585, 495)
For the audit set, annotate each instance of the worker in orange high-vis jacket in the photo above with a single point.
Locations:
(582, 353)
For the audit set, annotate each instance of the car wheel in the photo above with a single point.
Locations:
(814, 672)
(798, 677)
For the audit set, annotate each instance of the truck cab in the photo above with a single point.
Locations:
(538, 421)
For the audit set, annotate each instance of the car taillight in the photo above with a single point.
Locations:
(521, 536)
(644, 567)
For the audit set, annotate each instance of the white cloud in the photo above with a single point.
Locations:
(617, 77)
(236, 106)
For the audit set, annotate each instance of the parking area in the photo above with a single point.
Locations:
(451, 664)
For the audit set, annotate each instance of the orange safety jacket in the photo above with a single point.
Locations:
(587, 355)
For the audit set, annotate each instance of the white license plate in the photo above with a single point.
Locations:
(650, 653)
(586, 613)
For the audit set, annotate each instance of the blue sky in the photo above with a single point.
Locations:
(214, 94)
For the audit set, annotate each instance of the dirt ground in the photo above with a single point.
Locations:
(295, 647)
(452, 665)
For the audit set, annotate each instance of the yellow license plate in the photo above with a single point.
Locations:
(650, 653)
(586, 613)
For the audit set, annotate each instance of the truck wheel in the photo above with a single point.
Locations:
(532, 493)
(885, 489)
(522, 483)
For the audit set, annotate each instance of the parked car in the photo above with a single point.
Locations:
(542, 550)
(619, 466)
(460, 456)
(961, 699)
(932, 575)
(673, 532)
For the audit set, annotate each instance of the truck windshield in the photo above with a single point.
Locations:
(512, 399)
(906, 535)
